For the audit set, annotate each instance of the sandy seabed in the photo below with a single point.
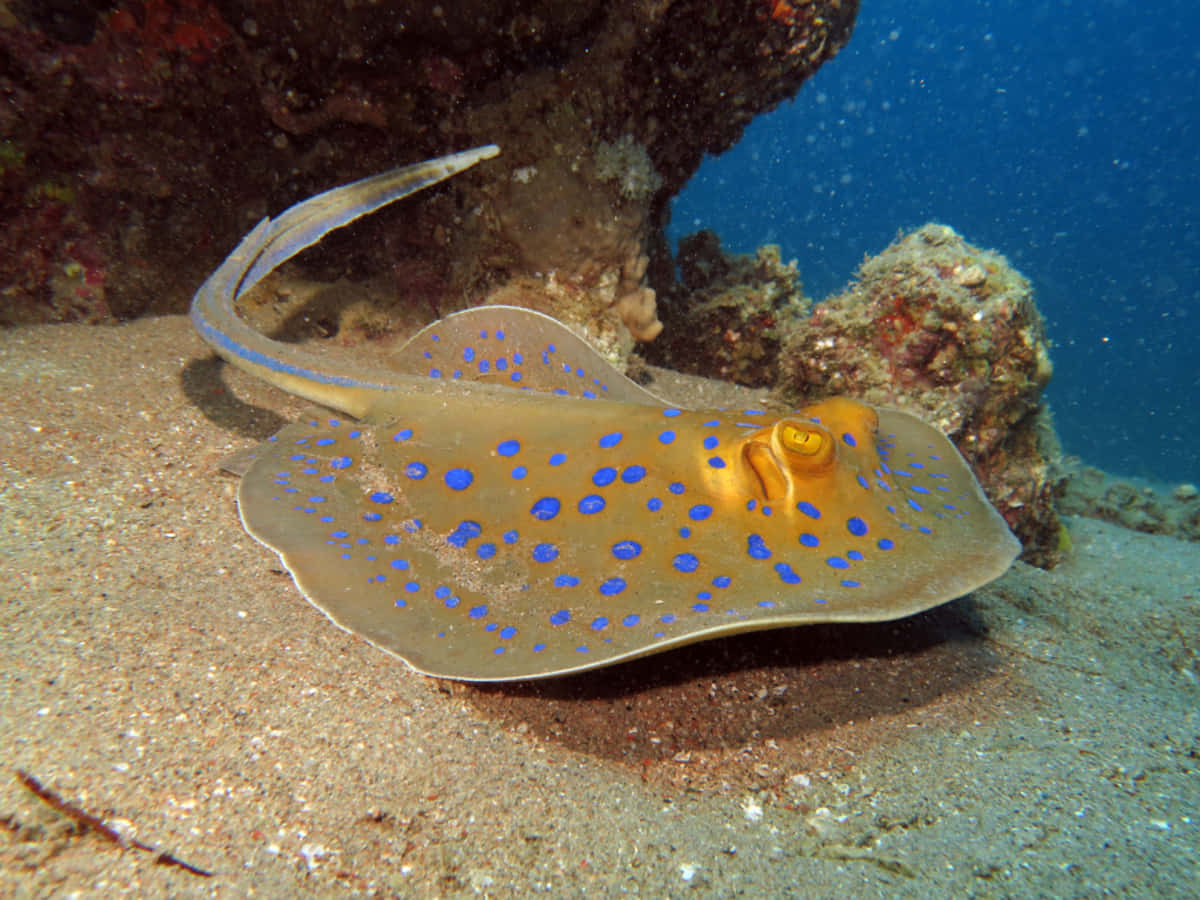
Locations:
(160, 672)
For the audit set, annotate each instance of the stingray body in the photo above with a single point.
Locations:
(503, 504)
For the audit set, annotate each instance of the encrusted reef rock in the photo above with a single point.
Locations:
(950, 332)
(932, 325)
(140, 140)
(727, 316)
(1141, 507)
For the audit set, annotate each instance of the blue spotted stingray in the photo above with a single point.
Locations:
(502, 504)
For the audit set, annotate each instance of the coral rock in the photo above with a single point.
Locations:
(729, 314)
(950, 332)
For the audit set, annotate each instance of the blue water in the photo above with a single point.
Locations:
(1065, 135)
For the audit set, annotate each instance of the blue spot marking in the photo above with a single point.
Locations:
(810, 540)
(518, 359)
(925, 529)
(399, 564)
(502, 365)
(700, 512)
(591, 504)
(565, 581)
(667, 437)
(863, 483)
(633, 474)
(626, 549)
(919, 489)
(562, 617)
(412, 587)
(508, 448)
(786, 573)
(452, 602)
(435, 373)
(667, 619)
(716, 462)
(836, 562)
(630, 620)
(519, 472)
(381, 497)
(459, 479)
(538, 648)
(339, 534)
(808, 509)
(915, 505)
(855, 555)
(477, 612)
(510, 537)
(700, 607)
(499, 334)
(676, 487)
(685, 532)
(604, 477)
(849, 439)
(325, 442)
(416, 471)
(463, 533)
(686, 562)
(546, 508)
(757, 547)
(846, 582)
(468, 354)
(486, 551)
(612, 586)
(508, 631)
(722, 581)
(654, 504)
(545, 553)
(441, 592)
(484, 365)
(672, 413)
(599, 624)
(767, 604)
(557, 459)
(710, 442)
(856, 526)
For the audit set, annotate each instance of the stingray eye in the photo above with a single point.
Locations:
(805, 441)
